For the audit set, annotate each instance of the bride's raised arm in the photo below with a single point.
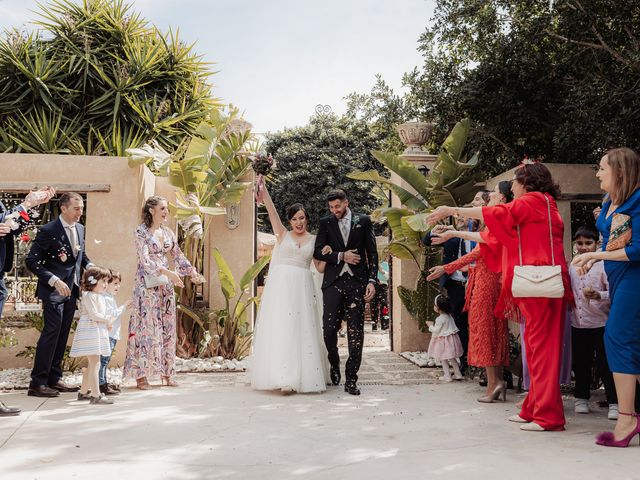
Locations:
(276, 224)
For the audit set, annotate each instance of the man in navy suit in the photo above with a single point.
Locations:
(58, 259)
(7, 233)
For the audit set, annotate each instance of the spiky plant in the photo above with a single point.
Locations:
(95, 78)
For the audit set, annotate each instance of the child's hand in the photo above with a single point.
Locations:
(591, 294)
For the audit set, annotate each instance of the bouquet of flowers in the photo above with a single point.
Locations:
(262, 165)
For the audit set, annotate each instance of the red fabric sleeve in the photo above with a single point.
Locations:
(463, 261)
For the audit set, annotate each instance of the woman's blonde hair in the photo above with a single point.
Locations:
(625, 173)
(92, 275)
(152, 201)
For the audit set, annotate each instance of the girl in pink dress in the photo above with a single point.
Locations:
(445, 344)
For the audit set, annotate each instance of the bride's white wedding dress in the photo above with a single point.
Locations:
(288, 349)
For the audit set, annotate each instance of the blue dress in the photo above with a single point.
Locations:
(622, 332)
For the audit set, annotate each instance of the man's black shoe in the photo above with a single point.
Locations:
(335, 376)
(352, 389)
(42, 391)
(62, 387)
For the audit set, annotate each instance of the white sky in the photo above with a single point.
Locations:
(278, 59)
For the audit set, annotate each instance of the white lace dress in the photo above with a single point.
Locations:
(288, 349)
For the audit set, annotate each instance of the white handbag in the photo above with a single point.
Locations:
(538, 281)
(153, 281)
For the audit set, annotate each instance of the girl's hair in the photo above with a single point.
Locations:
(625, 173)
(535, 177)
(151, 202)
(443, 304)
(114, 275)
(504, 188)
(92, 275)
(295, 208)
(586, 232)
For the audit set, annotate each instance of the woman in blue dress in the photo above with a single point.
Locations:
(619, 176)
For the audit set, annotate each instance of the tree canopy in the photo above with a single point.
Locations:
(313, 159)
(553, 80)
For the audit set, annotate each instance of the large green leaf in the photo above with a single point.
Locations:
(406, 198)
(227, 282)
(253, 272)
(405, 170)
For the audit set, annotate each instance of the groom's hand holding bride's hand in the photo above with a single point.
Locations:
(351, 257)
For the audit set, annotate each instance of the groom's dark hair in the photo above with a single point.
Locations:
(337, 194)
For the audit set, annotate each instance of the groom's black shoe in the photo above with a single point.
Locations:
(351, 389)
(335, 376)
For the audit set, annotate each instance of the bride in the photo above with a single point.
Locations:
(288, 350)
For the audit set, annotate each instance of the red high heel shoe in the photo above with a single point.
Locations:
(607, 439)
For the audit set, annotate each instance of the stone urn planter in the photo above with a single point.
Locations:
(414, 135)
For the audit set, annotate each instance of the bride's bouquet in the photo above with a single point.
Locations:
(261, 165)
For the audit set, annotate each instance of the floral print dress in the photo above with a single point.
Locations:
(151, 348)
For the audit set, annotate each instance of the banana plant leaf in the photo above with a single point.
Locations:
(227, 282)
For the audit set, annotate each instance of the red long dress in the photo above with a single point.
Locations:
(544, 317)
(488, 332)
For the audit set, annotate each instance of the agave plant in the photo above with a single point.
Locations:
(450, 182)
(96, 79)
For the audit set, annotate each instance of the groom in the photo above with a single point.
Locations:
(349, 281)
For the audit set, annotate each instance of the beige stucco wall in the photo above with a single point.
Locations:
(111, 216)
(237, 246)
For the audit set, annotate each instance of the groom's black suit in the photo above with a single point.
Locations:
(51, 254)
(343, 292)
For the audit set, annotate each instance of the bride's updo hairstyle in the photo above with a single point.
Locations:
(295, 208)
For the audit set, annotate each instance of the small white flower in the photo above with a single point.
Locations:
(97, 242)
(92, 280)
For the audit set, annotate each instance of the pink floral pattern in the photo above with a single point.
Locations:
(151, 347)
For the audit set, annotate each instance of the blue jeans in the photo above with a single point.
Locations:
(3, 293)
(104, 361)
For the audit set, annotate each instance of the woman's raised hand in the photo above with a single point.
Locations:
(197, 278)
(584, 262)
(435, 272)
(439, 213)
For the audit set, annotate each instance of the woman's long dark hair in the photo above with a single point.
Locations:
(535, 177)
(504, 187)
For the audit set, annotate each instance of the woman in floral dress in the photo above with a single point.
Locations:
(488, 330)
(151, 349)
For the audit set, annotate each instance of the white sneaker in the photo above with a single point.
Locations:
(613, 411)
(446, 379)
(581, 406)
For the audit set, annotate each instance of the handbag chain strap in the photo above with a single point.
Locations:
(553, 259)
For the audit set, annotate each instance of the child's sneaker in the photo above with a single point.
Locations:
(445, 379)
(581, 406)
(101, 400)
(613, 411)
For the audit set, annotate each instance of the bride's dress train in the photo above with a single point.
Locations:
(288, 349)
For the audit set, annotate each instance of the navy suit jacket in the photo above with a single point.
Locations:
(361, 238)
(51, 254)
(452, 249)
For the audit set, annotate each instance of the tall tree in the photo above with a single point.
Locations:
(555, 80)
(313, 159)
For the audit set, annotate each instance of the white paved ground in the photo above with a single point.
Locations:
(215, 428)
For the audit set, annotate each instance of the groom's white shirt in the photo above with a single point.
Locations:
(345, 222)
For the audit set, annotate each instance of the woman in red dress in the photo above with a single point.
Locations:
(533, 186)
(488, 329)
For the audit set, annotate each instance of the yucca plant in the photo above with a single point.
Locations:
(449, 182)
(96, 79)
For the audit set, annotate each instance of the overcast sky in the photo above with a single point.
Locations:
(278, 59)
